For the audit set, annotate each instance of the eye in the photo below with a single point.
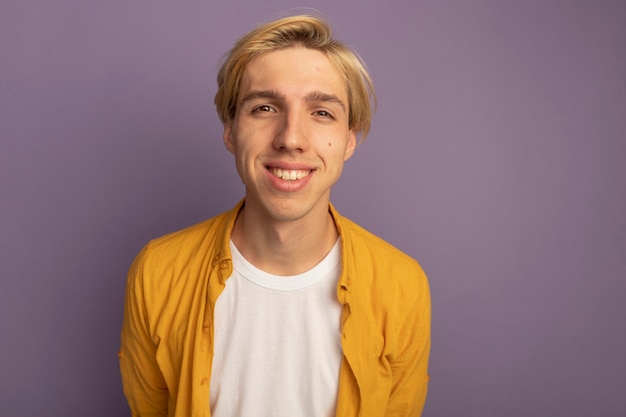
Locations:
(263, 108)
(323, 113)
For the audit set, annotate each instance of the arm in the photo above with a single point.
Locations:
(144, 386)
(410, 368)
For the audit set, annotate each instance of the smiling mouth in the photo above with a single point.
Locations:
(290, 174)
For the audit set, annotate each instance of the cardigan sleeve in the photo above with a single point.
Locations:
(144, 385)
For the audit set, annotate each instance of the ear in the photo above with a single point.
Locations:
(228, 137)
(351, 145)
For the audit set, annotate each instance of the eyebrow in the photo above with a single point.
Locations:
(318, 96)
(315, 96)
(268, 94)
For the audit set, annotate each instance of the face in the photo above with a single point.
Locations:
(290, 134)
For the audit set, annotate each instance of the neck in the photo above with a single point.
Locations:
(284, 247)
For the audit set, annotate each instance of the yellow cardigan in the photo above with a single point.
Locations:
(167, 334)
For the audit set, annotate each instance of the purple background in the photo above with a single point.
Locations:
(497, 158)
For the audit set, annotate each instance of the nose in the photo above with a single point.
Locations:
(292, 134)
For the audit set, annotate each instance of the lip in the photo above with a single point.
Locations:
(288, 186)
(288, 166)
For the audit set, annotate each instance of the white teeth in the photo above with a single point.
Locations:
(290, 175)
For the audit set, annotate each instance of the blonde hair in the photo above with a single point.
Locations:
(305, 31)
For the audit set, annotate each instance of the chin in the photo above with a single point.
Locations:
(287, 214)
(286, 210)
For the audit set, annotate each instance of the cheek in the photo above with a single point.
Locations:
(336, 157)
(245, 161)
(242, 170)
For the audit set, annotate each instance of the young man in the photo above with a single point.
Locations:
(281, 306)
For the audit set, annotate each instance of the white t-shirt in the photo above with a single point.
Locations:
(277, 349)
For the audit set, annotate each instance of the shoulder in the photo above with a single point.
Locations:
(376, 273)
(184, 251)
(197, 237)
(189, 237)
(363, 244)
(372, 261)
(363, 239)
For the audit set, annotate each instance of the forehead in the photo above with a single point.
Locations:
(294, 72)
